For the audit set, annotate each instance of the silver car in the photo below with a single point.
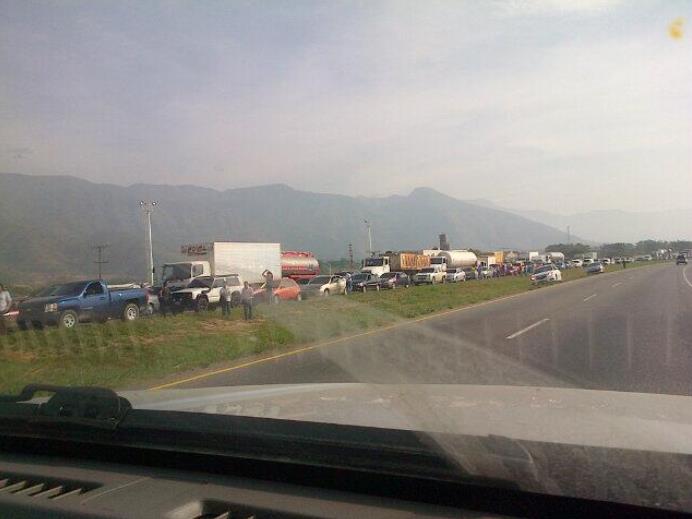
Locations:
(324, 286)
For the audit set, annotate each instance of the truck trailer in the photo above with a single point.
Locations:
(248, 260)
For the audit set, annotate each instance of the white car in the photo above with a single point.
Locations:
(429, 276)
(606, 261)
(455, 275)
(587, 261)
(546, 274)
(577, 263)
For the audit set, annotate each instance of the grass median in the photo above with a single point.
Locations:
(120, 355)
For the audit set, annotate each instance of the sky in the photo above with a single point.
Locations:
(562, 106)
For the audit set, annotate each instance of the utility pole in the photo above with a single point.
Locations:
(369, 226)
(569, 236)
(100, 261)
(147, 209)
(350, 256)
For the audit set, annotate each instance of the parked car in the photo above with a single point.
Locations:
(284, 289)
(606, 261)
(359, 282)
(324, 285)
(577, 263)
(594, 268)
(470, 273)
(681, 260)
(587, 261)
(546, 274)
(455, 275)
(429, 276)
(71, 303)
(394, 280)
(204, 293)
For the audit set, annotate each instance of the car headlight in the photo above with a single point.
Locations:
(51, 307)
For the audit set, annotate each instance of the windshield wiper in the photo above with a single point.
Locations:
(87, 406)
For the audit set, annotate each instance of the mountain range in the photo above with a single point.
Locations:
(50, 224)
(609, 226)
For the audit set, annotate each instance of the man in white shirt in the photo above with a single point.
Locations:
(5, 304)
(226, 295)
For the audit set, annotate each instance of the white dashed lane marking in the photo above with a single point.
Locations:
(530, 327)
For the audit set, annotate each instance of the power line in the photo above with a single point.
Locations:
(100, 261)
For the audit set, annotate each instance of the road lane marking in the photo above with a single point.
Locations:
(530, 327)
(684, 275)
(616, 284)
(590, 297)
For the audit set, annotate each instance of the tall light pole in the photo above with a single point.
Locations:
(369, 226)
(147, 209)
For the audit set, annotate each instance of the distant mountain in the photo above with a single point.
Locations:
(49, 224)
(608, 226)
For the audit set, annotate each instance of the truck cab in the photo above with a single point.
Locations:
(440, 262)
(180, 274)
(376, 265)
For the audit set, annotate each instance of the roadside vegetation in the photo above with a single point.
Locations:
(155, 349)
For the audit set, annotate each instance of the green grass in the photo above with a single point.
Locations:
(136, 354)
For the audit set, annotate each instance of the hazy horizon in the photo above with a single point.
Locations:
(564, 107)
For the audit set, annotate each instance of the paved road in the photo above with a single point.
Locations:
(628, 331)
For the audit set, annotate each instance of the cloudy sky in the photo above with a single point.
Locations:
(560, 106)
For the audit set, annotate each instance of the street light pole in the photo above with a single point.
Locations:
(147, 209)
(369, 236)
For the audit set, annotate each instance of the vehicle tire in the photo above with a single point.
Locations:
(68, 319)
(130, 312)
(201, 304)
(326, 292)
(22, 325)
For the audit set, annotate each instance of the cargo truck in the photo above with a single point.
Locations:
(377, 265)
(408, 262)
(221, 258)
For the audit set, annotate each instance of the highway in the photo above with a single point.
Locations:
(630, 330)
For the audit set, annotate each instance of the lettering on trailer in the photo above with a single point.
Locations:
(197, 249)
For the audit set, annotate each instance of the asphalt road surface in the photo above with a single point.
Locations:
(628, 331)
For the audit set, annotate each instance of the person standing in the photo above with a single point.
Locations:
(5, 304)
(165, 299)
(246, 296)
(269, 285)
(225, 295)
(349, 283)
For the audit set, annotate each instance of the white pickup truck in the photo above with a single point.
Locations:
(430, 276)
(204, 293)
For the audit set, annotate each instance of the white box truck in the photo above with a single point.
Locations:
(219, 258)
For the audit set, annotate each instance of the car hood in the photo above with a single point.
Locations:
(640, 421)
(41, 301)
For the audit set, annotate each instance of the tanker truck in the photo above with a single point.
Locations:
(454, 259)
(299, 265)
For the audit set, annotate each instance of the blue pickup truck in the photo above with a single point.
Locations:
(71, 303)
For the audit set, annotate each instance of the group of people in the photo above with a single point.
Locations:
(247, 296)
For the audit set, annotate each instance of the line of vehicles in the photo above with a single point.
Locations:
(196, 281)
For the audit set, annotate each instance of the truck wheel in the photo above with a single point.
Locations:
(202, 304)
(68, 319)
(130, 312)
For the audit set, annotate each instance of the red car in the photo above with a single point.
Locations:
(284, 289)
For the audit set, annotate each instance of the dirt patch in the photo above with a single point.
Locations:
(18, 356)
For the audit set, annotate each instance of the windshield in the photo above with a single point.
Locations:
(178, 272)
(319, 280)
(151, 146)
(201, 283)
